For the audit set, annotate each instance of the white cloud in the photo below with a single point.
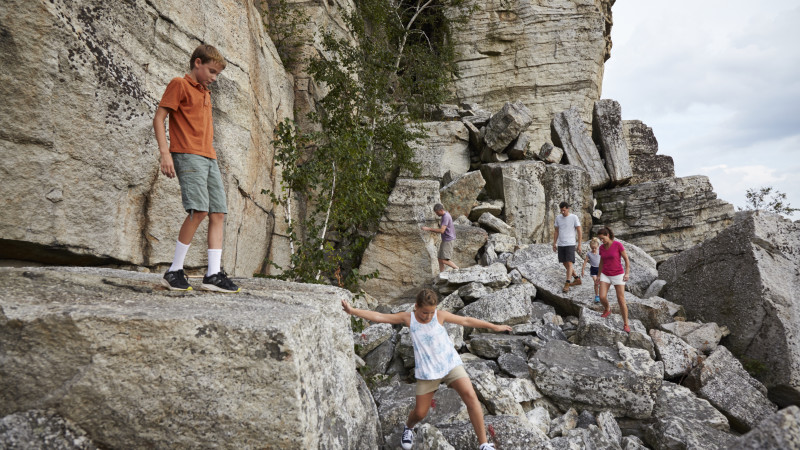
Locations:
(719, 83)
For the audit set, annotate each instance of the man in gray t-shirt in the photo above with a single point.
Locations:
(566, 240)
(448, 232)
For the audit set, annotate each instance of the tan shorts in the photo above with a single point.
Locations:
(426, 386)
(446, 250)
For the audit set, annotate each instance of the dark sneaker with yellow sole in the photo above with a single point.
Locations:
(219, 282)
(176, 281)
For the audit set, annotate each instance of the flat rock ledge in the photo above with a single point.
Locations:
(130, 362)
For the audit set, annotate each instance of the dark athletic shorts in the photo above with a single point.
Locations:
(566, 254)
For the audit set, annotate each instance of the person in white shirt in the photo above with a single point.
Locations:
(566, 241)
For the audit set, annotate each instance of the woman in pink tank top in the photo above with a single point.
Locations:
(611, 272)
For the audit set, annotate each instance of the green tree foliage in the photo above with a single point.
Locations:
(377, 89)
(768, 199)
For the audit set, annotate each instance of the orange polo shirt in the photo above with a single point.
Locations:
(191, 128)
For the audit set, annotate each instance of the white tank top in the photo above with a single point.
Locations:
(434, 355)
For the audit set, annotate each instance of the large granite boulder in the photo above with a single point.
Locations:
(131, 363)
(531, 192)
(429, 437)
(548, 55)
(403, 254)
(570, 133)
(493, 346)
(681, 420)
(509, 306)
(678, 357)
(459, 196)
(494, 276)
(539, 265)
(722, 381)
(646, 165)
(622, 380)
(80, 166)
(496, 399)
(667, 216)
(606, 332)
(469, 241)
(607, 129)
(509, 432)
(704, 337)
(444, 148)
(747, 279)
(506, 125)
(42, 430)
(777, 432)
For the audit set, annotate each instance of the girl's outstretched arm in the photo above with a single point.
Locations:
(471, 322)
(401, 318)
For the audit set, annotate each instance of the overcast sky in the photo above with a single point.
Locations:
(718, 81)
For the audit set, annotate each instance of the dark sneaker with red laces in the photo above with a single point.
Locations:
(176, 281)
(219, 282)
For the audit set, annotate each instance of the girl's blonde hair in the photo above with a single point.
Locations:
(594, 242)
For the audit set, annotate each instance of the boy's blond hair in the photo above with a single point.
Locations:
(207, 53)
(594, 242)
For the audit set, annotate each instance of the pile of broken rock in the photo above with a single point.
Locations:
(567, 378)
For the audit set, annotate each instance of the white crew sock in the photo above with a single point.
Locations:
(214, 261)
(180, 254)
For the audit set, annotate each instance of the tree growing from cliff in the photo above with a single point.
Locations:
(768, 199)
(378, 88)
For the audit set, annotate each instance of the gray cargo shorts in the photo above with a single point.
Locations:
(201, 183)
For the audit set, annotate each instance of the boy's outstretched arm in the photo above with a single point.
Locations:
(373, 316)
(472, 322)
(167, 166)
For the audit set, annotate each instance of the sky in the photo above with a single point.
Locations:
(718, 81)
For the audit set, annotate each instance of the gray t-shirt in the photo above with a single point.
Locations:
(566, 229)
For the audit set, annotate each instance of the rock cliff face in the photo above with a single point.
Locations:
(80, 162)
(547, 54)
(137, 366)
(667, 216)
(642, 147)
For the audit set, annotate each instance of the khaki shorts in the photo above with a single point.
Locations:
(201, 183)
(446, 250)
(426, 386)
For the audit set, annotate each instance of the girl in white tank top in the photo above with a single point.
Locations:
(435, 358)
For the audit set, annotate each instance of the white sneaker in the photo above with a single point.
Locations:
(486, 446)
(408, 438)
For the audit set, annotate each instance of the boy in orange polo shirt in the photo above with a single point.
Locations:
(191, 156)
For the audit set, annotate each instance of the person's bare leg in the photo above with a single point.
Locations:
(568, 267)
(420, 409)
(216, 226)
(190, 225)
(464, 388)
(448, 263)
(604, 296)
(623, 307)
(441, 265)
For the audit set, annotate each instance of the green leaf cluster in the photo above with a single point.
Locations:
(378, 85)
(768, 199)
